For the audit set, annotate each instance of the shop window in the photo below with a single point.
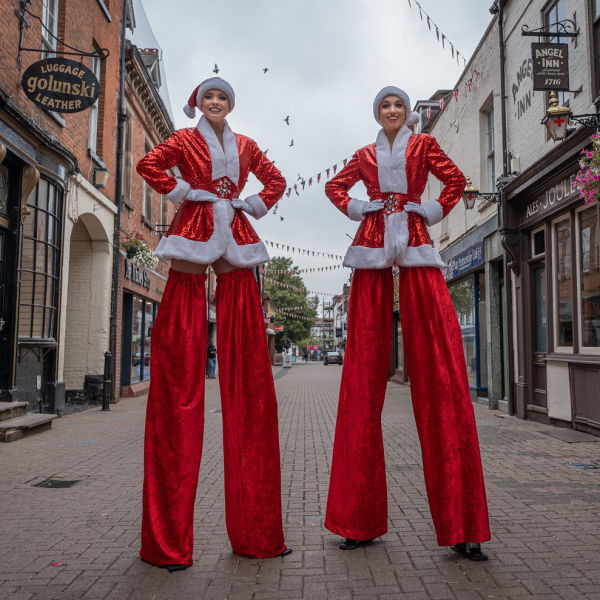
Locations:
(588, 239)
(142, 319)
(463, 298)
(50, 28)
(39, 263)
(4, 195)
(538, 242)
(563, 284)
(540, 316)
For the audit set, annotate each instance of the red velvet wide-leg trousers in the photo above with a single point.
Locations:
(250, 428)
(175, 421)
(357, 503)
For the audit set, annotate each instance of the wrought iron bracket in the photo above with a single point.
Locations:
(587, 120)
(510, 241)
(490, 196)
(566, 28)
(22, 13)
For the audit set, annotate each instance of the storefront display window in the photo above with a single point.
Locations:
(563, 284)
(463, 298)
(589, 270)
(39, 263)
(137, 334)
(539, 308)
(469, 299)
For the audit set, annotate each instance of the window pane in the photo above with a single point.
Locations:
(24, 321)
(463, 298)
(563, 285)
(136, 339)
(539, 243)
(3, 190)
(589, 242)
(597, 8)
(483, 375)
(148, 322)
(539, 309)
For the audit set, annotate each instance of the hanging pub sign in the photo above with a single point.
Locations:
(60, 85)
(550, 66)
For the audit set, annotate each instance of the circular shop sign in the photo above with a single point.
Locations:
(60, 85)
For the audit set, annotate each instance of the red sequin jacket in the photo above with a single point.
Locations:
(393, 236)
(202, 232)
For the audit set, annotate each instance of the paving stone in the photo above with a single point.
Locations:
(544, 514)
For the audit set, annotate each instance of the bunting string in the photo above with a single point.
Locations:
(323, 175)
(304, 270)
(303, 251)
(290, 313)
(441, 37)
(297, 289)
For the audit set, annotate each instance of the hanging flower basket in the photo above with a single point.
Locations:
(587, 180)
(140, 254)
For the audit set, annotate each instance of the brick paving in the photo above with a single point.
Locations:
(545, 514)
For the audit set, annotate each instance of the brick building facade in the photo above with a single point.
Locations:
(144, 213)
(56, 226)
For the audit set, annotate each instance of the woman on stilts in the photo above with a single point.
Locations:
(211, 228)
(394, 232)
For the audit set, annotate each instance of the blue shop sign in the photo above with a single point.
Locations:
(465, 261)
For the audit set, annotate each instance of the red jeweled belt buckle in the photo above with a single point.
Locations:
(223, 188)
(391, 204)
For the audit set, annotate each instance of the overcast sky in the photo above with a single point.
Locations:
(327, 59)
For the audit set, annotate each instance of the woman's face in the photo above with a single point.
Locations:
(215, 106)
(392, 113)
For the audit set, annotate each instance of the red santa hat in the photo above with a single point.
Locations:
(212, 83)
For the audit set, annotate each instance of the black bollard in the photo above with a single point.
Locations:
(106, 394)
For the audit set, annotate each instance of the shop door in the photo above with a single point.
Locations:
(540, 335)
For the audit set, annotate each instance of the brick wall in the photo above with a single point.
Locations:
(83, 25)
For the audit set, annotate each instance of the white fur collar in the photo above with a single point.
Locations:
(391, 162)
(224, 163)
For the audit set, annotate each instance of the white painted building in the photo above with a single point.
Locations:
(525, 273)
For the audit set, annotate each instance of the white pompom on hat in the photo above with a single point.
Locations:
(212, 83)
(412, 118)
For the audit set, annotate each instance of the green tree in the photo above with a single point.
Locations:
(296, 300)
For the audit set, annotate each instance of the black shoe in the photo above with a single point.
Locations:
(350, 544)
(471, 550)
(287, 551)
(170, 568)
(173, 568)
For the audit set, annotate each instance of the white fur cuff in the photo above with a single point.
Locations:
(260, 208)
(433, 211)
(355, 209)
(179, 192)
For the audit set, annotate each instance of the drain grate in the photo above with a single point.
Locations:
(57, 483)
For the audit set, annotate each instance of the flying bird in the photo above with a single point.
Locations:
(265, 69)
(216, 69)
(281, 218)
(287, 120)
(292, 143)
